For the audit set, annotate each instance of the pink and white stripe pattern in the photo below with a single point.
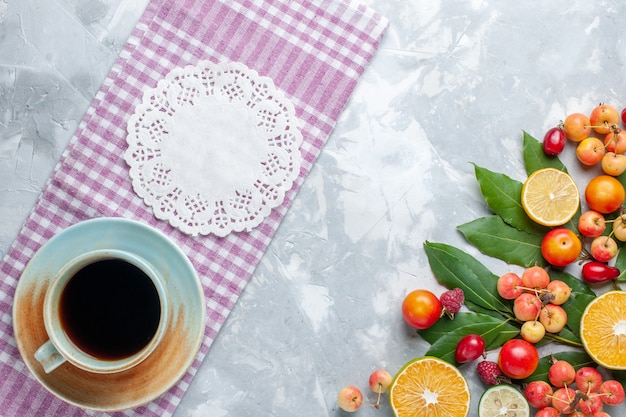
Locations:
(314, 50)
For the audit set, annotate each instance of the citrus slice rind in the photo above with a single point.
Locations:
(503, 400)
(429, 387)
(550, 197)
(603, 330)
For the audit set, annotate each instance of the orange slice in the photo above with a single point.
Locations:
(550, 197)
(429, 387)
(603, 330)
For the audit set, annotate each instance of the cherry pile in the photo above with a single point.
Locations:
(600, 141)
(537, 301)
(579, 393)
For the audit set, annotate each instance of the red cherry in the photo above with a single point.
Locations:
(595, 272)
(554, 141)
(518, 359)
(469, 348)
(624, 116)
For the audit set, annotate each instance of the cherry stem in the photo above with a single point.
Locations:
(568, 400)
(614, 128)
(535, 290)
(380, 391)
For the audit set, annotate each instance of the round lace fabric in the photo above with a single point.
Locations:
(213, 148)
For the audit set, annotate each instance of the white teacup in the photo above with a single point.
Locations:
(104, 312)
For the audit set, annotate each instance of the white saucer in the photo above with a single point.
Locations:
(172, 358)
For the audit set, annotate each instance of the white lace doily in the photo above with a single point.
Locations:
(213, 148)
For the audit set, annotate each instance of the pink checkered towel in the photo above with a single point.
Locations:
(314, 50)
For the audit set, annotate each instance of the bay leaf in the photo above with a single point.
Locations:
(620, 376)
(454, 268)
(493, 237)
(488, 311)
(503, 196)
(620, 263)
(565, 337)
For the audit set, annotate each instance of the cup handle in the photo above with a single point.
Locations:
(49, 357)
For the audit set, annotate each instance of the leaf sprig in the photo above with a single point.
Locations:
(511, 236)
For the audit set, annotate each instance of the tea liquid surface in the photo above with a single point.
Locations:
(110, 309)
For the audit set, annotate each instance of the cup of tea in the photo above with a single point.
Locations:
(105, 311)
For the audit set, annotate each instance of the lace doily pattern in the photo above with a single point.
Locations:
(213, 148)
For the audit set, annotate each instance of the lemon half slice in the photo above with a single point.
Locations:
(550, 197)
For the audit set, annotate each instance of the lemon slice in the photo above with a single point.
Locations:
(429, 387)
(550, 197)
(501, 401)
(603, 330)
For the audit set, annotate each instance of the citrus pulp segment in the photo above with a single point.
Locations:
(429, 387)
(603, 329)
(550, 197)
(502, 401)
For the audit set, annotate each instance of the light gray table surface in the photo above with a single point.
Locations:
(453, 83)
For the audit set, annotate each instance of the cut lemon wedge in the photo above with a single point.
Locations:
(603, 329)
(550, 197)
(429, 387)
(503, 400)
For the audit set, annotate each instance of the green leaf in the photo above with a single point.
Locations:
(493, 237)
(454, 268)
(577, 358)
(488, 311)
(575, 306)
(535, 158)
(620, 263)
(445, 334)
(565, 337)
(620, 376)
(503, 196)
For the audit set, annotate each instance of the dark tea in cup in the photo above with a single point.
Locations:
(110, 309)
(104, 312)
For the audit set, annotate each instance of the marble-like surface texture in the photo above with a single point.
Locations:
(454, 83)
